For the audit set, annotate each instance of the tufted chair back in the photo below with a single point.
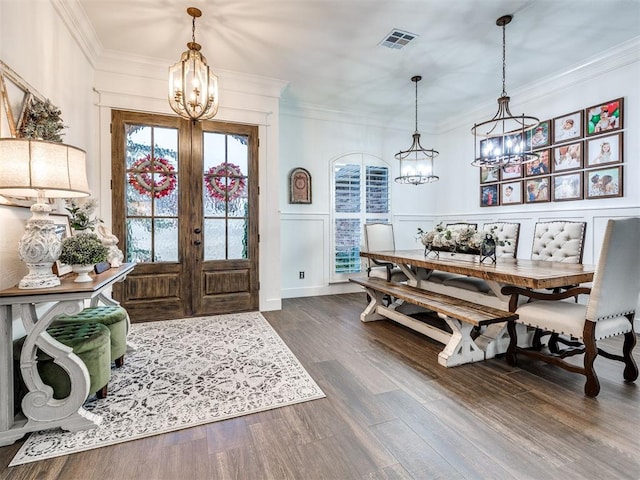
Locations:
(460, 225)
(507, 232)
(559, 241)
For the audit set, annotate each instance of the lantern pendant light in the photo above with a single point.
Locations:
(193, 87)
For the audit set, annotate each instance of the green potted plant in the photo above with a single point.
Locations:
(82, 252)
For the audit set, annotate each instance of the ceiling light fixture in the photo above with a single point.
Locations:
(502, 140)
(193, 87)
(416, 163)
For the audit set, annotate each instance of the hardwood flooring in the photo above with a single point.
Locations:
(391, 412)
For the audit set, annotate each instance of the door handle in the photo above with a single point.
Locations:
(197, 242)
(197, 230)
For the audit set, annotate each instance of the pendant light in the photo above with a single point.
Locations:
(193, 87)
(416, 163)
(501, 140)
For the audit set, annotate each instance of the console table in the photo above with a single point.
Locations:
(40, 410)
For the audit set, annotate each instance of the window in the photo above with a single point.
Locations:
(360, 195)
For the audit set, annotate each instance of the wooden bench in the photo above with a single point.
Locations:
(461, 316)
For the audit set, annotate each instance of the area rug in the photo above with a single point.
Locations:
(185, 373)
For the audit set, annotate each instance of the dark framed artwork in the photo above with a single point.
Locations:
(605, 117)
(511, 193)
(540, 166)
(604, 150)
(299, 186)
(537, 190)
(489, 174)
(567, 157)
(511, 171)
(603, 182)
(567, 127)
(489, 195)
(567, 187)
(62, 230)
(540, 136)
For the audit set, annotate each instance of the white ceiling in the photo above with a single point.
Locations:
(328, 50)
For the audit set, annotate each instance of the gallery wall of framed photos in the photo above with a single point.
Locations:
(580, 158)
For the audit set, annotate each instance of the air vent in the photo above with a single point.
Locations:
(397, 39)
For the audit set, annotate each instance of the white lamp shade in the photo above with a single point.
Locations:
(28, 167)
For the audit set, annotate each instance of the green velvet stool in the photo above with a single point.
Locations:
(89, 341)
(113, 317)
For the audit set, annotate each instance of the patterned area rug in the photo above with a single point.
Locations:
(185, 373)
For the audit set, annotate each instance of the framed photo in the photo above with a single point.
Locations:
(567, 157)
(604, 150)
(536, 190)
(540, 136)
(489, 174)
(511, 193)
(489, 195)
(299, 186)
(603, 183)
(63, 230)
(541, 166)
(511, 171)
(604, 117)
(567, 127)
(567, 187)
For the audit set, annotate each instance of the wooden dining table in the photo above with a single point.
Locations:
(518, 272)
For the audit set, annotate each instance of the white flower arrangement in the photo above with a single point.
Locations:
(462, 240)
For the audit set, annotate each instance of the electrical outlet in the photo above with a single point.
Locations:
(301, 275)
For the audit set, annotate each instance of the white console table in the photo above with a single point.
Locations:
(40, 411)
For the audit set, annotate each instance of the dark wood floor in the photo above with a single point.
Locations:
(391, 412)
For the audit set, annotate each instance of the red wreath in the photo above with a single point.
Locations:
(161, 169)
(224, 182)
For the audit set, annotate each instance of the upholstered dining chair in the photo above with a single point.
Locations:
(379, 236)
(610, 310)
(558, 241)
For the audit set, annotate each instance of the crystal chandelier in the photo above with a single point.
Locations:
(193, 87)
(502, 140)
(416, 163)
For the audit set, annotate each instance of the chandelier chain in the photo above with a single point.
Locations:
(416, 106)
(193, 31)
(504, 60)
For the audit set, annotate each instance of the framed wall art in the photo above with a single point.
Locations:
(511, 193)
(489, 195)
(605, 117)
(604, 150)
(489, 174)
(567, 127)
(567, 157)
(537, 190)
(299, 186)
(540, 136)
(511, 171)
(567, 187)
(603, 183)
(540, 166)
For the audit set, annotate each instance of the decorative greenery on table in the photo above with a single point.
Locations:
(81, 213)
(83, 249)
(461, 240)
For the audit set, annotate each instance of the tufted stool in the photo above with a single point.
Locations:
(113, 317)
(89, 341)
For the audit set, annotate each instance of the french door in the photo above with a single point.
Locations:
(185, 208)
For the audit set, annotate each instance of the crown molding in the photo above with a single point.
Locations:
(79, 27)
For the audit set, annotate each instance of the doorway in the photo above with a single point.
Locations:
(185, 208)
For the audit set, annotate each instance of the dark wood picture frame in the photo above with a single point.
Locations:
(540, 136)
(541, 166)
(568, 127)
(514, 197)
(568, 156)
(603, 182)
(512, 172)
(489, 174)
(537, 190)
(596, 123)
(596, 155)
(567, 187)
(489, 196)
(299, 186)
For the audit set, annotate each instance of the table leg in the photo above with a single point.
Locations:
(461, 348)
(6, 368)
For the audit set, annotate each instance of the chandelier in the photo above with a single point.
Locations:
(193, 87)
(502, 140)
(416, 163)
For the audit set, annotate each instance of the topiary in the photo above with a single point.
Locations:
(83, 249)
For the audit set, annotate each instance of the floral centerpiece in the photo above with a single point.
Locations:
(83, 251)
(461, 240)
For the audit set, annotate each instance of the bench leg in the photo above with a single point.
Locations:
(461, 347)
(371, 312)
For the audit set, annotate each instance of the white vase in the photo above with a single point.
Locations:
(83, 272)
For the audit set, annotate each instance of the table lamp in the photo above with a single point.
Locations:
(35, 168)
